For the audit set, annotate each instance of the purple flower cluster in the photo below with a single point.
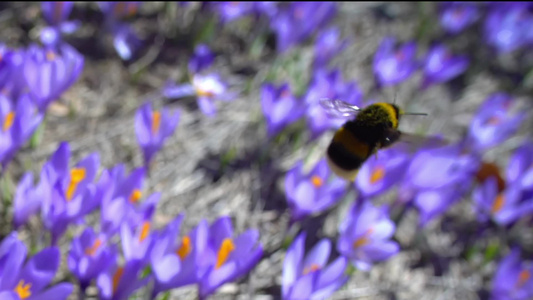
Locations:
(209, 256)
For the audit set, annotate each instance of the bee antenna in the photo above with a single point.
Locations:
(414, 114)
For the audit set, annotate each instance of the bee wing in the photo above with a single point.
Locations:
(338, 109)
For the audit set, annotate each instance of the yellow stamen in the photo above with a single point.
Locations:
(316, 181)
(156, 121)
(8, 121)
(23, 290)
(377, 174)
(145, 231)
(223, 253)
(50, 55)
(310, 269)
(523, 277)
(204, 93)
(132, 9)
(497, 204)
(494, 120)
(116, 278)
(76, 176)
(185, 247)
(364, 239)
(92, 249)
(135, 196)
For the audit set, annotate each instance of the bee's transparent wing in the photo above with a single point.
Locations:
(338, 109)
(413, 142)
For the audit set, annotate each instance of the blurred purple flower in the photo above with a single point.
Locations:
(508, 27)
(89, 255)
(230, 11)
(308, 277)
(280, 107)
(440, 66)
(27, 200)
(504, 207)
(152, 128)
(12, 82)
(49, 72)
(332, 86)
(138, 240)
(456, 16)
(229, 257)
(520, 168)
(379, 174)
(393, 64)
(365, 235)
(313, 192)
(513, 279)
(437, 178)
(18, 122)
(299, 20)
(125, 40)
(28, 281)
(328, 44)
(206, 88)
(201, 59)
(119, 282)
(56, 14)
(493, 122)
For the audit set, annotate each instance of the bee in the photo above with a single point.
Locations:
(370, 129)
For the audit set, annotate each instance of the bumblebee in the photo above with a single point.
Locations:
(370, 129)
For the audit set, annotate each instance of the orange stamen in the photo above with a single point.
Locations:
(92, 249)
(377, 174)
(497, 204)
(145, 231)
(364, 239)
(135, 196)
(310, 269)
(23, 290)
(316, 181)
(523, 277)
(156, 121)
(116, 278)
(185, 247)
(223, 253)
(76, 176)
(50, 55)
(8, 121)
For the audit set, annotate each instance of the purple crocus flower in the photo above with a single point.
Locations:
(153, 127)
(50, 72)
(365, 235)
(394, 64)
(230, 11)
(125, 40)
(280, 107)
(437, 177)
(456, 16)
(508, 27)
(72, 191)
(56, 14)
(27, 200)
(513, 279)
(137, 241)
(28, 281)
(520, 167)
(493, 122)
(201, 59)
(440, 66)
(313, 192)
(229, 256)
(119, 282)
(332, 86)
(299, 20)
(328, 44)
(309, 277)
(206, 88)
(89, 255)
(503, 207)
(18, 122)
(12, 82)
(379, 173)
